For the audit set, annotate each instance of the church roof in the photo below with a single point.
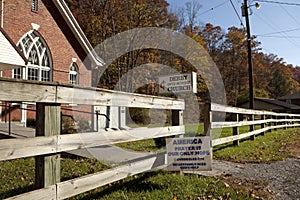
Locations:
(71, 29)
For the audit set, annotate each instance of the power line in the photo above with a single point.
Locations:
(278, 2)
(278, 36)
(266, 50)
(211, 9)
(279, 32)
(283, 33)
(289, 14)
(235, 10)
(219, 5)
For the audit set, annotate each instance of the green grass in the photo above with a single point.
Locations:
(166, 185)
(191, 130)
(17, 176)
(143, 145)
(267, 148)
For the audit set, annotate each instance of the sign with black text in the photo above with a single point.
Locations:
(178, 83)
(189, 154)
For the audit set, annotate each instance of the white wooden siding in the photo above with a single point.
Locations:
(9, 56)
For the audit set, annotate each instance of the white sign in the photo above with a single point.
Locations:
(189, 154)
(178, 83)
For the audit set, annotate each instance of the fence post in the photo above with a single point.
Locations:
(177, 117)
(270, 123)
(9, 118)
(275, 122)
(262, 125)
(235, 130)
(285, 122)
(252, 127)
(207, 119)
(48, 123)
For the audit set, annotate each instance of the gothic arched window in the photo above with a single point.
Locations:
(73, 74)
(38, 54)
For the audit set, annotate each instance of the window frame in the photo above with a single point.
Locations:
(35, 6)
(74, 74)
(40, 68)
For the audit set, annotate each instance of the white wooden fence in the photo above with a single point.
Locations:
(48, 143)
(258, 121)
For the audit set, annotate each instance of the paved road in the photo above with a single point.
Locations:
(17, 130)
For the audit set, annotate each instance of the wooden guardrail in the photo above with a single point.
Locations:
(48, 143)
(258, 121)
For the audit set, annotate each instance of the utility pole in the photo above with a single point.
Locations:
(250, 69)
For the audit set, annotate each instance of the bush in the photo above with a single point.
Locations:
(83, 125)
(68, 125)
(140, 115)
(30, 122)
(160, 142)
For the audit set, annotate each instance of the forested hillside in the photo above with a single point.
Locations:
(101, 19)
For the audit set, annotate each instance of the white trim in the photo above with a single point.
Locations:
(69, 18)
(42, 50)
(35, 26)
(23, 113)
(74, 73)
(10, 58)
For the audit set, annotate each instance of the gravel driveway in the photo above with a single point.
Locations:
(283, 176)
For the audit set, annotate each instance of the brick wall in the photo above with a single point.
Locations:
(17, 21)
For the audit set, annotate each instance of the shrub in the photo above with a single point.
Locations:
(140, 115)
(68, 125)
(30, 122)
(83, 125)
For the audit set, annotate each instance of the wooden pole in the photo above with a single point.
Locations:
(48, 123)
(252, 128)
(286, 122)
(177, 117)
(249, 50)
(207, 119)
(235, 130)
(263, 117)
(9, 118)
(270, 123)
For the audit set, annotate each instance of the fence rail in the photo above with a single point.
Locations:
(48, 143)
(266, 120)
(13, 90)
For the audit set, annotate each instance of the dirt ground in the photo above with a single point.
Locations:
(294, 146)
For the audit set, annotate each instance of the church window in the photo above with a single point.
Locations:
(35, 6)
(73, 75)
(39, 59)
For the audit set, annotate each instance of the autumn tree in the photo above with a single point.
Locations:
(213, 39)
(107, 18)
(102, 19)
